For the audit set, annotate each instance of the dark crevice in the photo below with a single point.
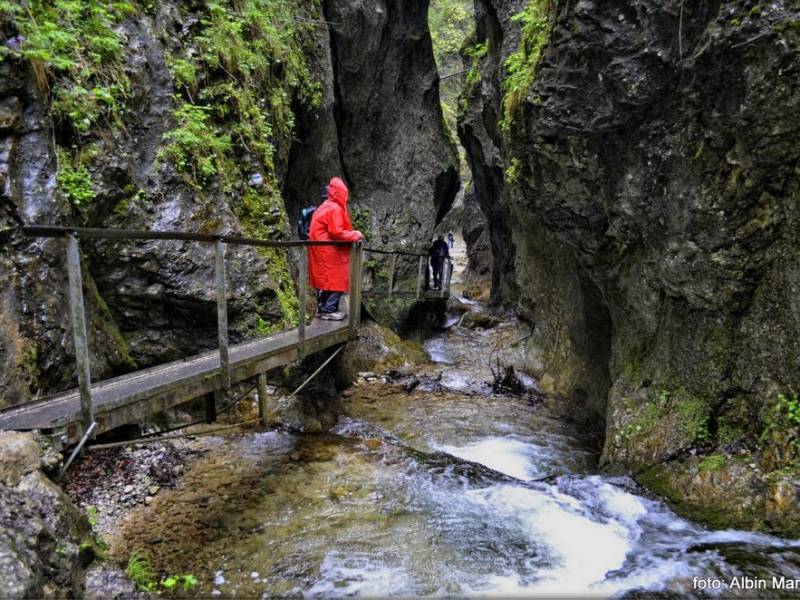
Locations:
(340, 115)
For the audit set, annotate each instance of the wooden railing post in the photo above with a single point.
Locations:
(301, 297)
(443, 278)
(222, 315)
(78, 318)
(351, 300)
(356, 281)
(420, 275)
(392, 273)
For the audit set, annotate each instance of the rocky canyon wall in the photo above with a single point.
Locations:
(214, 117)
(642, 192)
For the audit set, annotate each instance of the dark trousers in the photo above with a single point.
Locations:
(437, 265)
(328, 302)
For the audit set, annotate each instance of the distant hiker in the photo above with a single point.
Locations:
(438, 252)
(451, 239)
(329, 266)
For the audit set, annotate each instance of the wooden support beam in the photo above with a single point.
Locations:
(78, 317)
(263, 402)
(301, 297)
(211, 407)
(449, 268)
(420, 275)
(222, 314)
(392, 274)
(351, 297)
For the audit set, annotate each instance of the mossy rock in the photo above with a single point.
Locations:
(728, 492)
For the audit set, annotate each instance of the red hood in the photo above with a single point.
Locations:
(337, 191)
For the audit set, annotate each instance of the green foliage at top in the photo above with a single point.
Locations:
(72, 49)
(473, 54)
(249, 66)
(521, 66)
(451, 22)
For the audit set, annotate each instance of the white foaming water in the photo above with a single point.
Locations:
(439, 351)
(582, 549)
(358, 574)
(586, 537)
(505, 455)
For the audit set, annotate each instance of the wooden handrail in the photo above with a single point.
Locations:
(395, 252)
(128, 234)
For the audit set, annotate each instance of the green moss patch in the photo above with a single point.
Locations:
(521, 66)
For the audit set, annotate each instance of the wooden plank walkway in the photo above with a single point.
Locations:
(133, 397)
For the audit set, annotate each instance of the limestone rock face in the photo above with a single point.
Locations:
(40, 530)
(475, 230)
(645, 202)
(393, 147)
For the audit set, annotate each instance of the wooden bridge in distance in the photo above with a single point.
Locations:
(97, 407)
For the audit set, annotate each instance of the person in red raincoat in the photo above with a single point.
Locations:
(329, 266)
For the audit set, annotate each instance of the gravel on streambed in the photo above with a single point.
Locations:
(110, 482)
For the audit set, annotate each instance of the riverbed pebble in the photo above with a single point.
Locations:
(114, 480)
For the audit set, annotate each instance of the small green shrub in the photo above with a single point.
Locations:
(75, 181)
(360, 221)
(474, 54)
(712, 463)
(187, 582)
(512, 172)
(255, 67)
(194, 146)
(789, 407)
(185, 73)
(140, 570)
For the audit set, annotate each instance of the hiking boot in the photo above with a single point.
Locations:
(334, 316)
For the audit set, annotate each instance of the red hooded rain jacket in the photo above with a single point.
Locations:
(329, 266)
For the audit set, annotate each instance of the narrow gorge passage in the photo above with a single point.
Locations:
(608, 404)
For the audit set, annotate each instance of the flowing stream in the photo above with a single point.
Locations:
(446, 490)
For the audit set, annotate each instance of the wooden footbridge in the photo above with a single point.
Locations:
(97, 407)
